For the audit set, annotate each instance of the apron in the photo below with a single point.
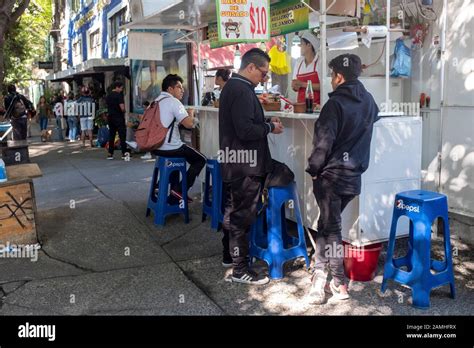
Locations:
(311, 76)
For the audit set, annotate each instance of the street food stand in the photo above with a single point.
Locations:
(395, 160)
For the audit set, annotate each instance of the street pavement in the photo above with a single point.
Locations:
(100, 255)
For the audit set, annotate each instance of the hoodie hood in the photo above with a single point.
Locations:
(354, 90)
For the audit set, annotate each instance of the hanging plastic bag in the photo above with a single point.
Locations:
(401, 66)
(278, 64)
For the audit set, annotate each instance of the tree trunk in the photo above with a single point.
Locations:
(56, 34)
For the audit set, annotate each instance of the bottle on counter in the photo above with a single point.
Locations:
(309, 98)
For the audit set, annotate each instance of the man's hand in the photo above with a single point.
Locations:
(278, 128)
(275, 119)
(190, 112)
(314, 177)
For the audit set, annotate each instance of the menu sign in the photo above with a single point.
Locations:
(288, 17)
(243, 20)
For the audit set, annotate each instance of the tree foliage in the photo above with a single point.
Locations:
(26, 42)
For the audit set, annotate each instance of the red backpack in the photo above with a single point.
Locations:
(151, 133)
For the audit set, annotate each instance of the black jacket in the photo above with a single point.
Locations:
(342, 136)
(242, 126)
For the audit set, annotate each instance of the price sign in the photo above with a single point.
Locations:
(243, 20)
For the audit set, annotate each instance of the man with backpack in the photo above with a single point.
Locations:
(17, 106)
(172, 114)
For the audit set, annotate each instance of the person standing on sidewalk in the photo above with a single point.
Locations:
(173, 114)
(86, 107)
(116, 119)
(17, 106)
(44, 114)
(72, 117)
(341, 153)
(243, 127)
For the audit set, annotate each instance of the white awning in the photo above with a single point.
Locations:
(171, 14)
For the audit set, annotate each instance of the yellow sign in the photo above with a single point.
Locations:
(99, 6)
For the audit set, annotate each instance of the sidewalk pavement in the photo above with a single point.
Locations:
(101, 255)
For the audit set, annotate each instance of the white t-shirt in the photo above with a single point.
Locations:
(306, 69)
(171, 108)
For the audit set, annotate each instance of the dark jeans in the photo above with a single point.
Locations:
(43, 121)
(19, 128)
(241, 200)
(328, 238)
(117, 125)
(196, 162)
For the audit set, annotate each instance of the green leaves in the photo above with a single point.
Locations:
(27, 42)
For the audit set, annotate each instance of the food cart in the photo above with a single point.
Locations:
(395, 160)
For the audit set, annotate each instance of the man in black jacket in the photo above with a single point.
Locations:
(341, 152)
(17, 106)
(245, 159)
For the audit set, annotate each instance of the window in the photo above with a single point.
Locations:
(75, 5)
(95, 44)
(147, 76)
(77, 52)
(116, 21)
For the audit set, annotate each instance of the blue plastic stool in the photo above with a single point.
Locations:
(213, 207)
(158, 202)
(422, 208)
(275, 246)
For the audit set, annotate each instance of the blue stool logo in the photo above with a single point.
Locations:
(172, 164)
(410, 208)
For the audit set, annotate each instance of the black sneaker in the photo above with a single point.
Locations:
(110, 157)
(250, 277)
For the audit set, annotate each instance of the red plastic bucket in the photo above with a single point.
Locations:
(360, 263)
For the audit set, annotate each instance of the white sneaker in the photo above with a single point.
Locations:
(316, 294)
(146, 156)
(339, 292)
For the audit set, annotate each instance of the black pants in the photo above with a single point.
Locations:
(242, 197)
(328, 238)
(117, 125)
(196, 162)
(20, 127)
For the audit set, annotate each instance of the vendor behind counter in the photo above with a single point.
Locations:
(306, 68)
